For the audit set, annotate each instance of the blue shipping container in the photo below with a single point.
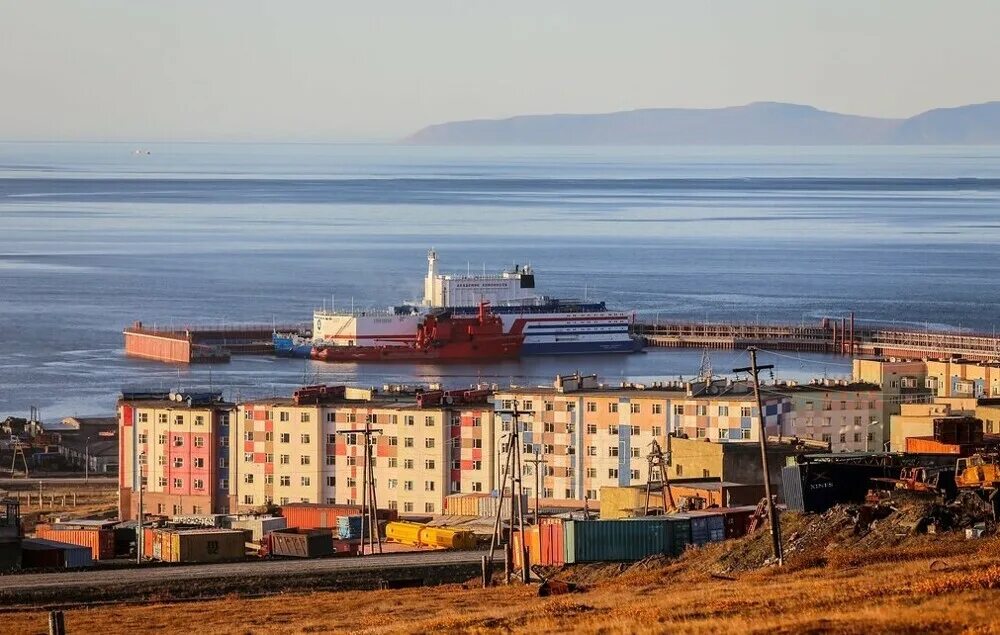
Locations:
(349, 527)
(620, 540)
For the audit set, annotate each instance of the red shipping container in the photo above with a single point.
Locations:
(100, 541)
(550, 542)
(315, 515)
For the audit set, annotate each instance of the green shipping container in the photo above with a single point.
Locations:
(681, 535)
(624, 540)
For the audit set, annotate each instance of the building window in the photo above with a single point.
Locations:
(843, 438)
(285, 481)
(428, 486)
(746, 411)
(247, 499)
(304, 459)
(678, 409)
(745, 433)
(304, 438)
(305, 481)
(657, 431)
(198, 483)
(527, 405)
(613, 406)
(284, 437)
(634, 452)
(248, 435)
(428, 443)
(429, 464)
(407, 464)
(407, 442)
(634, 408)
(826, 437)
(657, 409)
(269, 479)
(331, 439)
(331, 481)
(248, 457)
(392, 461)
(680, 470)
(549, 426)
(428, 421)
(223, 462)
(283, 415)
(304, 417)
(723, 433)
(591, 406)
(330, 418)
(178, 441)
(634, 475)
(392, 483)
(142, 437)
(613, 450)
(613, 472)
(591, 428)
(284, 459)
(269, 458)
(700, 433)
(198, 462)
(331, 459)
(143, 417)
(549, 406)
(408, 507)
(178, 483)
(161, 439)
(591, 450)
(612, 429)
(408, 486)
(248, 479)
(162, 481)
(199, 442)
(223, 483)
(701, 410)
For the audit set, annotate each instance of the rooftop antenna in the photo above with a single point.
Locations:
(705, 370)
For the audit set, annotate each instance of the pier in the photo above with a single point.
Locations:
(200, 344)
(831, 336)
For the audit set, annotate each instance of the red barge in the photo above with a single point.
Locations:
(441, 337)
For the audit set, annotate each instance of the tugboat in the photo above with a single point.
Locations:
(441, 337)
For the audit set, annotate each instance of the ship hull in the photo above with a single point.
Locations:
(473, 352)
(289, 346)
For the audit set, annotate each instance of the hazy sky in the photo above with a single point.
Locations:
(329, 70)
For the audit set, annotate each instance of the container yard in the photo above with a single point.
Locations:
(195, 545)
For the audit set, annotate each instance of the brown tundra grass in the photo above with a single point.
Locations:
(949, 586)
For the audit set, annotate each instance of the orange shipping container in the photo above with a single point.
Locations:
(929, 445)
(531, 540)
(100, 541)
(550, 541)
(321, 516)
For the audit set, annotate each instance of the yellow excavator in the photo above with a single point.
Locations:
(979, 475)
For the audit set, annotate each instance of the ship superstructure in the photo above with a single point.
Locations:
(549, 326)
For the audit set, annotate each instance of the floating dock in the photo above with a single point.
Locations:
(200, 344)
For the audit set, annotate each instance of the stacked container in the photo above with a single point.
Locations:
(300, 543)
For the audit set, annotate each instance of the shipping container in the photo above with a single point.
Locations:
(317, 516)
(200, 520)
(737, 520)
(101, 542)
(195, 545)
(930, 445)
(349, 527)
(487, 506)
(418, 535)
(550, 541)
(530, 540)
(625, 540)
(680, 525)
(707, 526)
(301, 543)
(818, 486)
(42, 553)
(258, 526)
(463, 504)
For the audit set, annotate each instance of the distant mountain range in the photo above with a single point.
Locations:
(761, 123)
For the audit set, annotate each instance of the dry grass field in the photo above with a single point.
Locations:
(939, 584)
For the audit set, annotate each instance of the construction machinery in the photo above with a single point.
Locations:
(978, 476)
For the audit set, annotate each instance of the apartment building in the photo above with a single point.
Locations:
(310, 449)
(591, 435)
(902, 381)
(175, 446)
(847, 415)
(963, 378)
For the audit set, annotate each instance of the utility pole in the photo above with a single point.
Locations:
(369, 500)
(513, 469)
(86, 461)
(139, 537)
(658, 463)
(772, 512)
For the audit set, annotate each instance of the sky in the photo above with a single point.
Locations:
(330, 70)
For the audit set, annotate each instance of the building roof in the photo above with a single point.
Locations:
(99, 446)
(79, 422)
(44, 544)
(856, 386)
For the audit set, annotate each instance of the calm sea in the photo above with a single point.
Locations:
(94, 236)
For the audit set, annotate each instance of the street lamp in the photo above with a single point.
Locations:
(138, 526)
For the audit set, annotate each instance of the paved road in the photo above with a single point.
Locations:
(114, 577)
